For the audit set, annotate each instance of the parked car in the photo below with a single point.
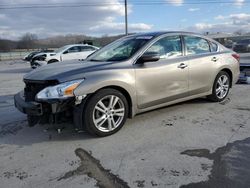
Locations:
(68, 52)
(38, 59)
(242, 46)
(29, 56)
(132, 75)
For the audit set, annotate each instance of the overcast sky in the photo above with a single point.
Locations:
(76, 18)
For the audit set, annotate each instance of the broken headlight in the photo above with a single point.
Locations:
(60, 91)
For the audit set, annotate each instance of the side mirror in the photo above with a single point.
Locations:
(149, 57)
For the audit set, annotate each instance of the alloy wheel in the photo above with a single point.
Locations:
(222, 86)
(108, 113)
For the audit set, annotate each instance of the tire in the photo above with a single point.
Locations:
(105, 120)
(52, 61)
(222, 90)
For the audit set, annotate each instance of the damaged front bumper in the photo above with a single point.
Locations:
(29, 108)
(36, 63)
(50, 111)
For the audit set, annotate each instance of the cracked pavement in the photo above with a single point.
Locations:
(170, 147)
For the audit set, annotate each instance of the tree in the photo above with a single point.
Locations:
(239, 32)
(7, 45)
(27, 41)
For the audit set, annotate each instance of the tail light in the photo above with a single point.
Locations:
(236, 56)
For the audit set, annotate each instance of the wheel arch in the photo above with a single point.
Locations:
(52, 61)
(78, 110)
(229, 72)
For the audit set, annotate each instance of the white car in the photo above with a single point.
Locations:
(68, 52)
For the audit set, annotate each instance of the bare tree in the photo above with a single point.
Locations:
(27, 41)
(239, 32)
(30, 41)
(7, 45)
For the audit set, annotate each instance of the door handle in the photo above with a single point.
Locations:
(182, 66)
(214, 59)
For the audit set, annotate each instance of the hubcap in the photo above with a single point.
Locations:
(108, 113)
(222, 86)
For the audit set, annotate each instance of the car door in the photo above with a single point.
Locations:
(202, 64)
(165, 80)
(71, 53)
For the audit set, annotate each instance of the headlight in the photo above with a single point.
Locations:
(60, 91)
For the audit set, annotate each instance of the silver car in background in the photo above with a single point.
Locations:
(134, 74)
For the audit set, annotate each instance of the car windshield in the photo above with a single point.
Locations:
(121, 49)
(61, 49)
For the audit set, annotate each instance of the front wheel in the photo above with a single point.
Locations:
(221, 87)
(105, 113)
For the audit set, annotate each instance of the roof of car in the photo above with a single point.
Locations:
(158, 33)
(78, 45)
(72, 45)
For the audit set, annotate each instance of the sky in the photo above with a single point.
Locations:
(106, 17)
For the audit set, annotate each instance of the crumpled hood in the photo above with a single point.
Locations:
(65, 70)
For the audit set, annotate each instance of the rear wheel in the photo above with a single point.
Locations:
(105, 113)
(221, 87)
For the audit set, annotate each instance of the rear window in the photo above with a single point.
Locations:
(196, 45)
(87, 48)
(214, 47)
(74, 49)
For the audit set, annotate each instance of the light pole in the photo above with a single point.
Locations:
(126, 18)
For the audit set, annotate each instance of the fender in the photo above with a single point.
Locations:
(110, 78)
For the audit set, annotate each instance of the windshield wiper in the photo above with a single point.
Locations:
(96, 60)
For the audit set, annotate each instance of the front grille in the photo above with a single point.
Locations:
(33, 87)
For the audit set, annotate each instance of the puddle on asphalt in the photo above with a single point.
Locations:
(91, 167)
(231, 167)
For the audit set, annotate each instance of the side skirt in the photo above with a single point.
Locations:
(138, 111)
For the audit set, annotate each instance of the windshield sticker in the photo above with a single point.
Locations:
(144, 37)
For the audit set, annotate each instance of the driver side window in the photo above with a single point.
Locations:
(167, 47)
(73, 49)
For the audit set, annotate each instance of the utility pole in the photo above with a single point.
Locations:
(126, 18)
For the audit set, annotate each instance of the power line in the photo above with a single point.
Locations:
(119, 3)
